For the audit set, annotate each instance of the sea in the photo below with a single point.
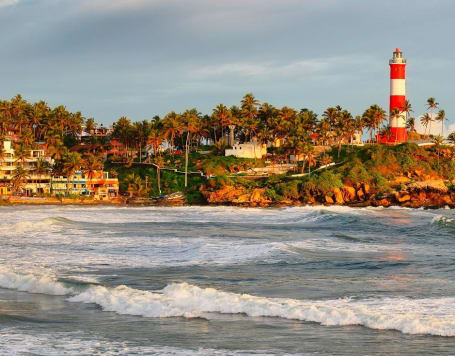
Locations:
(226, 281)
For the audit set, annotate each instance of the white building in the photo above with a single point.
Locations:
(247, 150)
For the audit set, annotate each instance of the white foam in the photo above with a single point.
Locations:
(32, 283)
(17, 342)
(435, 316)
(442, 219)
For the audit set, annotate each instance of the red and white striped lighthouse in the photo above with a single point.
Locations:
(397, 123)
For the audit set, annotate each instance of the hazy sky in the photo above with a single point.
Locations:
(138, 58)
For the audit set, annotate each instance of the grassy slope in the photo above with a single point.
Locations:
(378, 166)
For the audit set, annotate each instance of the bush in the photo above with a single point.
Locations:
(289, 190)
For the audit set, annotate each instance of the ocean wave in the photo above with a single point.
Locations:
(41, 284)
(443, 220)
(50, 224)
(434, 316)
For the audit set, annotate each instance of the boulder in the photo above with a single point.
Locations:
(257, 195)
(403, 198)
(338, 196)
(383, 202)
(360, 194)
(348, 193)
(436, 185)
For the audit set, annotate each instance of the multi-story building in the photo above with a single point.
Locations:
(32, 182)
(100, 185)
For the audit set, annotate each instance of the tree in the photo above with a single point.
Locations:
(71, 163)
(19, 179)
(249, 112)
(41, 167)
(373, 117)
(410, 124)
(441, 117)
(222, 117)
(425, 120)
(172, 126)
(190, 121)
(136, 186)
(438, 142)
(432, 104)
(90, 165)
(451, 137)
(90, 125)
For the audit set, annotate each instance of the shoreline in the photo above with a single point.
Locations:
(71, 202)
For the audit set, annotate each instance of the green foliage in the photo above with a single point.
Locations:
(289, 190)
(323, 182)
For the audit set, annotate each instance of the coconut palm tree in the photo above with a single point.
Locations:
(249, 112)
(41, 167)
(441, 117)
(222, 116)
(19, 179)
(410, 124)
(432, 104)
(451, 137)
(425, 120)
(136, 186)
(172, 125)
(90, 125)
(72, 162)
(190, 121)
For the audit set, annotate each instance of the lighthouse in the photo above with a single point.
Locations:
(397, 121)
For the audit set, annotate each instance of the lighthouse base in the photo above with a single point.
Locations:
(396, 135)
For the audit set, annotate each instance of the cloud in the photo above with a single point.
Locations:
(5, 3)
(298, 68)
(113, 5)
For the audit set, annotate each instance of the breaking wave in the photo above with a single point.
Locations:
(434, 316)
(31, 283)
(51, 224)
(419, 316)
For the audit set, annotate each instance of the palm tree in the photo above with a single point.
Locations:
(407, 108)
(190, 120)
(71, 163)
(249, 111)
(410, 124)
(90, 165)
(155, 139)
(441, 117)
(373, 117)
(136, 186)
(42, 167)
(19, 179)
(171, 126)
(90, 125)
(425, 120)
(432, 104)
(451, 138)
(222, 116)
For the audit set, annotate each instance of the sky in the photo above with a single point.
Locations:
(140, 58)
